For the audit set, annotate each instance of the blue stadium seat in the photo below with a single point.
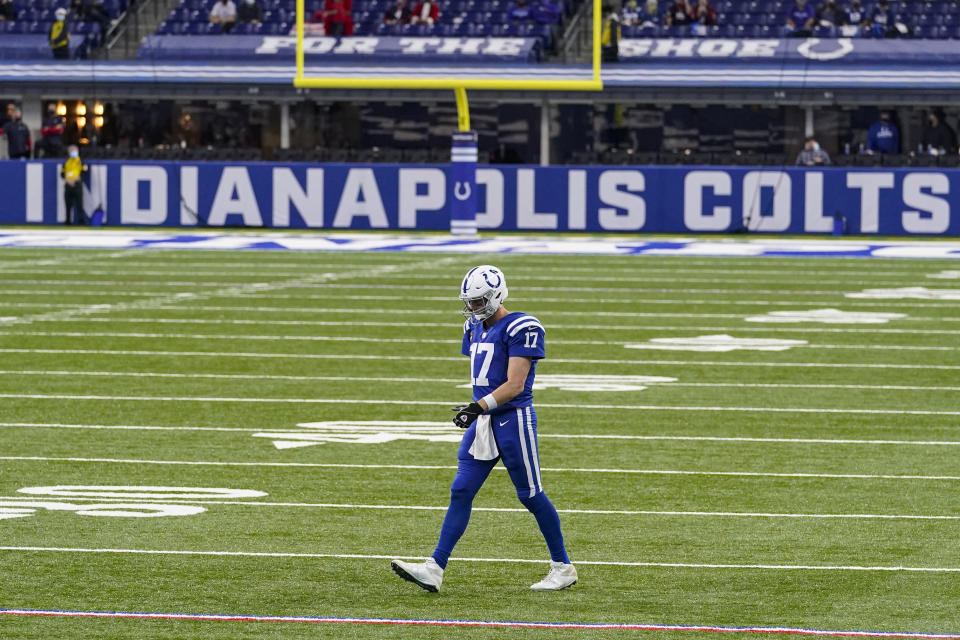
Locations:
(825, 32)
(388, 29)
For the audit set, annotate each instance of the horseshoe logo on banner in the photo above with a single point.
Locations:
(465, 193)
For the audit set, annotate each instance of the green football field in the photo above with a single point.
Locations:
(259, 433)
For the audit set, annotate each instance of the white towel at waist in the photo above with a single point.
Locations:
(484, 447)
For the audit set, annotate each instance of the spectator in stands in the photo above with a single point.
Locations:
(610, 36)
(60, 35)
(19, 143)
(883, 137)
(800, 19)
(681, 13)
(883, 20)
(224, 13)
(521, 11)
(425, 12)
(651, 14)
(96, 12)
(249, 12)
(631, 15)
(399, 13)
(546, 12)
(8, 12)
(857, 14)
(336, 17)
(7, 115)
(937, 139)
(72, 174)
(51, 141)
(831, 14)
(706, 15)
(812, 155)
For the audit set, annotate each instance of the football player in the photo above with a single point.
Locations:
(500, 424)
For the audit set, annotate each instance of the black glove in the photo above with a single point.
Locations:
(466, 414)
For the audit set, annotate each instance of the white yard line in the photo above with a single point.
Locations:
(553, 327)
(460, 359)
(239, 337)
(447, 403)
(446, 288)
(227, 266)
(238, 376)
(405, 507)
(414, 467)
(233, 289)
(431, 275)
(538, 300)
(356, 556)
(446, 312)
(574, 436)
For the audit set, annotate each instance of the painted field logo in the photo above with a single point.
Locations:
(362, 432)
(133, 502)
(907, 293)
(718, 343)
(828, 316)
(593, 383)
(945, 275)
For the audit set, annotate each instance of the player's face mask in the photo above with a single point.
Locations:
(483, 291)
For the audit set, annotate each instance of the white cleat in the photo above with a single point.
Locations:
(561, 576)
(427, 575)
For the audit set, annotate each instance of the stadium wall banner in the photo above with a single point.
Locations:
(266, 49)
(857, 51)
(672, 199)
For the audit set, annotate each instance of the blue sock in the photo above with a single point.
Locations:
(470, 477)
(546, 515)
(454, 524)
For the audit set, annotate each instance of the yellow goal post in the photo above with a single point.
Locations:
(458, 83)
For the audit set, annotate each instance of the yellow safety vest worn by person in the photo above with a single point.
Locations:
(72, 169)
(607, 37)
(59, 35)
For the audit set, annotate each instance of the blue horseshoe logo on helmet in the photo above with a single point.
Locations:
(487, 280)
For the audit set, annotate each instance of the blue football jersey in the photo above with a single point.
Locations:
(517, 334)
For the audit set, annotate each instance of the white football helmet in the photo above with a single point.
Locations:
(483, 290)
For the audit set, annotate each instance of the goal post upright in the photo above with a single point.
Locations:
(595, 83)
(464, 148)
